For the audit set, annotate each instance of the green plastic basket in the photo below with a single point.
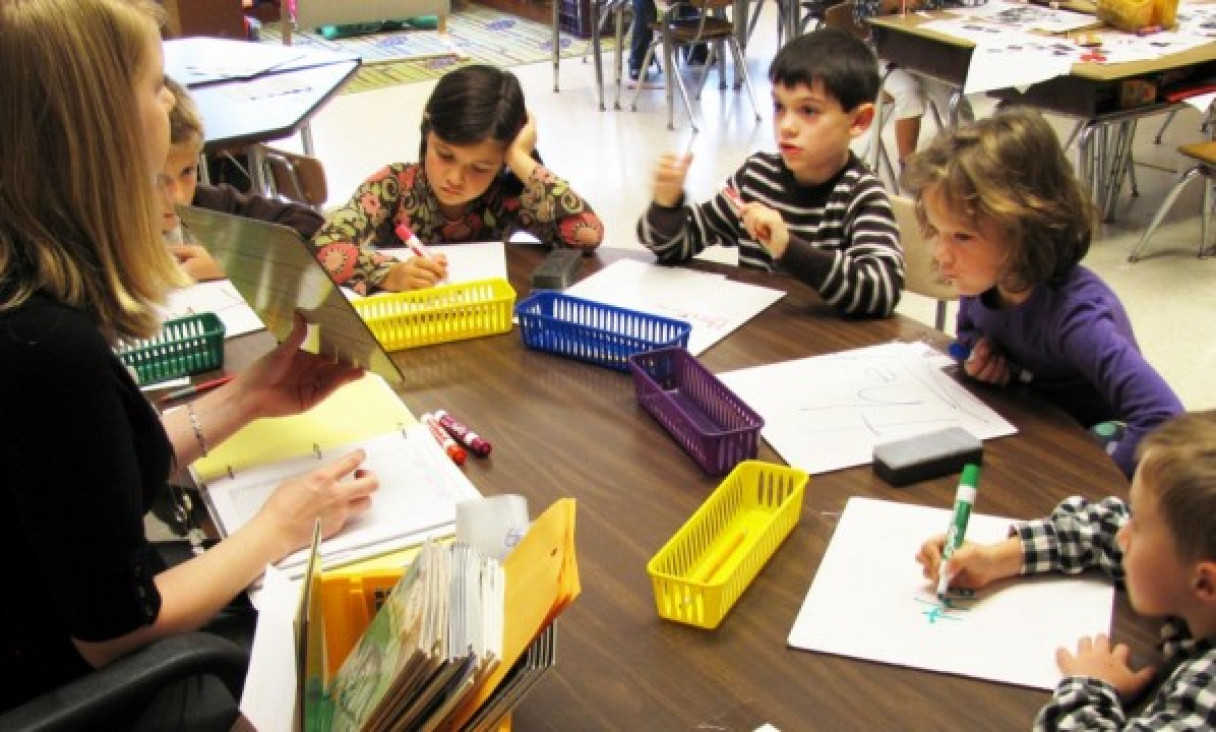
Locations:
(190, 345)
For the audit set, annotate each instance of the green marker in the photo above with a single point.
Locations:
(964, 499)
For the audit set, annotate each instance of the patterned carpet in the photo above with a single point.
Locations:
(476, 34)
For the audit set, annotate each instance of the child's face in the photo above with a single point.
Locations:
(177, 180)
(1158, 582)
(813, 131)
(460, 173)
(970, 254)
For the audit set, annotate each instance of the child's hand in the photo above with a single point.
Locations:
(197, 262)
(669, 179)
(766, 226)
(987, 364)
(974, 565)
(416, 273)
(1097, 660)
(519, 154)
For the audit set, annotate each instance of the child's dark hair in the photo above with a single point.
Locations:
(472, 104)
(843, 63)
(1010, 171)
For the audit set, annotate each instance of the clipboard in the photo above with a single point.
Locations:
(277, 273)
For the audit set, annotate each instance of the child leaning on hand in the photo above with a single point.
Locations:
(1161, 546)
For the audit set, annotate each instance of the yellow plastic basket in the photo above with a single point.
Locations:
(702, 571)
(440, 314)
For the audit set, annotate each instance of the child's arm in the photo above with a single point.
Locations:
(344, 245)
(549, 209)
(861, 274)
(1134, 390)
(676, 231)
(197, 262)
(226, 199)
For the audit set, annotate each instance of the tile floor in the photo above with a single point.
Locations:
(608, 156)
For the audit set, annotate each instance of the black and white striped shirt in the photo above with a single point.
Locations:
(843, 238)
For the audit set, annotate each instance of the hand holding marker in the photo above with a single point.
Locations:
(964, 499)
(412, 241)
(961, 352)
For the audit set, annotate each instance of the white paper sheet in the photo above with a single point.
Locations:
(1007, 632)
(269, 695)
(827, 412)
(466, 262)
(419, 490)
(713, 305)
(219, 297)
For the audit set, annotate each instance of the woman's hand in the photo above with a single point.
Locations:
(669, 179)
(288, 380)
(416, 273)
(334, 493)
(972, 566)
(197, 262)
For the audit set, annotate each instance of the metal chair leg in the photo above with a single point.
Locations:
(1166, 205)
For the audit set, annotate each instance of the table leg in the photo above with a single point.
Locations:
(557, 41)
(596, 50)
(619, 15)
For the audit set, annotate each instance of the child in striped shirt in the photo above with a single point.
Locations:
(813, 208)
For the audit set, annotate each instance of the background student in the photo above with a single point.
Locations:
(811, 208)
(910, 92)
(1161, 546)
(179, 186)
(479, 178)
(1011, 224)
(83, 451)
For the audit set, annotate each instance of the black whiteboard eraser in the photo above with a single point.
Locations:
(557, 270)
(925, 456)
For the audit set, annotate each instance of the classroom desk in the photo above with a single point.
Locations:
(271, 105)
(1090, 93)
(565, 428)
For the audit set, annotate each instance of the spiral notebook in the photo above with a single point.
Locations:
(419, 484)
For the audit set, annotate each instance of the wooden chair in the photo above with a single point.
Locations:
(1204, 155)
(294, 177)
(711, 26)
(921, 273)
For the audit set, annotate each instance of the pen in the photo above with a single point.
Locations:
(454, 451)
(960, 351)
(478, 445)
(193, 389)
(964, 499)
(413, 242)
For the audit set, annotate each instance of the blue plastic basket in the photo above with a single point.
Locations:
(709, 420)
(592, 331)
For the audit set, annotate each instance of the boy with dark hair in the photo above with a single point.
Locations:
(813, 208)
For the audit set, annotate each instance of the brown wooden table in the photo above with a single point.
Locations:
(564, 428)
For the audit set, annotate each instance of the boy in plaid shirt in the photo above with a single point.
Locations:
(1161, 546)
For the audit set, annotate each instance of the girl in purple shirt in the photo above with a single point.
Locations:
(1010, 223)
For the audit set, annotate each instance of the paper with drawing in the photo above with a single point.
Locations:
(827, 412)
(1008, 632)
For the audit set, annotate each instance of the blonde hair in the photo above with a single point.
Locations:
(1178, 466)
(74, 223)
(185, 122)
(1009, 170)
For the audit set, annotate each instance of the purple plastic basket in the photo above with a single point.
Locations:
(709, 421)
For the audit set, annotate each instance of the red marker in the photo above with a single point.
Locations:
(465, 436)
(454, 451)
(413, 242)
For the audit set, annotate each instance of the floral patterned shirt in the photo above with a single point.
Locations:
(400, 193)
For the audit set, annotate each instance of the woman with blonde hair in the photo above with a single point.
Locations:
(84, 116)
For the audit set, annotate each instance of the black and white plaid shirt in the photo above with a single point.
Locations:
(1080, 535)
